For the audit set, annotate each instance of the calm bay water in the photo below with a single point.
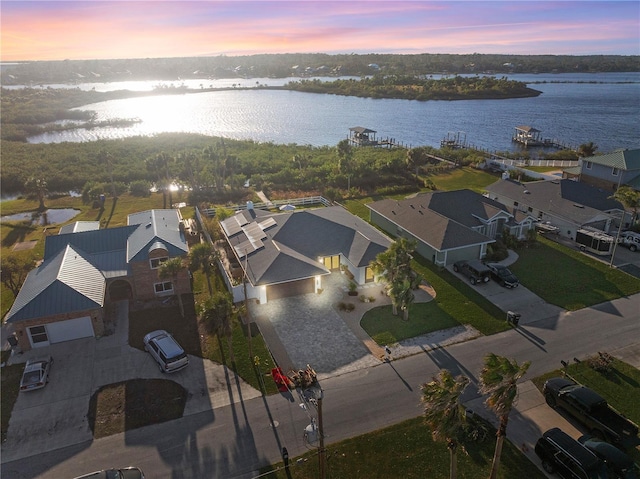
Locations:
(605, 111)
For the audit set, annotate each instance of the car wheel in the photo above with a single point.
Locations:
(550, 399)
(633, 248)
(472, 280)
(548, 467)
(582, 248)
(455, 268)
(485, 279)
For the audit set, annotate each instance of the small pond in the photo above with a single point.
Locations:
(47, 217)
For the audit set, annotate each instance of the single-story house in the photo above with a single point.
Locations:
(84, 268)
(610, 171)
(286, 254)
(563, 203)
(449, 226)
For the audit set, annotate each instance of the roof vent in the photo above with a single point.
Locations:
(578, 206)
(527, 192)
(148, 225)
(412, 207)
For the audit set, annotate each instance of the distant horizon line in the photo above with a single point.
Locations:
(214, 55)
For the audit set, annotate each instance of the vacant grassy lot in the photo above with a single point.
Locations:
(406, 450)
(128, 405)
(568, 278)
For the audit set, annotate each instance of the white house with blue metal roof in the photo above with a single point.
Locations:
(85, 268)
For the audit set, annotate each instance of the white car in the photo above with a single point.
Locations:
(36, 374)
(166, 351)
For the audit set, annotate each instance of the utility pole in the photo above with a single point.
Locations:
(322, 454)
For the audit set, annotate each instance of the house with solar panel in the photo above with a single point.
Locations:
(85, 268)
(285, 254)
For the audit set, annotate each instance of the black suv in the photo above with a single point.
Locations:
(475, 270)
(568, 458)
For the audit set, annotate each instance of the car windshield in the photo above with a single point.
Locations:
(31, 377)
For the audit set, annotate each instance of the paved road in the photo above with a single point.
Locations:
(234, 440)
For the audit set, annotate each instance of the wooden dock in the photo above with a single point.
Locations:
(360, 136)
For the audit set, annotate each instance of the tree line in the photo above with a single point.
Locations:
(307, 64)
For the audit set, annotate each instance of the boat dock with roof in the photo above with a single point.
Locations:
(360, 136)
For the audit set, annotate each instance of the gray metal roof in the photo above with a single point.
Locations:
(91, 242)
(154, 226)
(623, 159)
(577, 202)
(79, 226)
(295, 243)
(66, 283)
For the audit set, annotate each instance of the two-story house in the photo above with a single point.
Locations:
(610, 171)
(84, 268)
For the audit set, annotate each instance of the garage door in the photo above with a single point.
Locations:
(293, 288)
(70, 329)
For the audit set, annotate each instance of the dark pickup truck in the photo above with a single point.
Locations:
(589, 408)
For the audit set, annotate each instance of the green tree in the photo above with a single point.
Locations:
(587, 150)
(630, 198)
(394, 266)
(201, 257)
(38, 188)
(345, 156)
(14, 270)
(444, 413)
(217, 314)
(171, 269)
(498, 379)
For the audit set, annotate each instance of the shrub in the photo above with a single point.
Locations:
(350, 307)
(600, 362)
(140, 188)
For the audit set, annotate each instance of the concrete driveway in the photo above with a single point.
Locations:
(56, 416)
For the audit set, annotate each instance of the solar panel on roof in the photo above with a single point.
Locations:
(254, 232)
(268, 223)
(244, 248)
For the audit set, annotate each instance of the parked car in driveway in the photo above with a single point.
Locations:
(126, 473)
(474, 269)
(619, 464)
(36, 374)
(563, 455)
(166, 351)
(503, 275)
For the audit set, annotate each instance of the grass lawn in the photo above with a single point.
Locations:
(385, 328)
(406, 450)
(9, 389)
(577, 280)
(464, 178)
(620, 386)
(128, 405)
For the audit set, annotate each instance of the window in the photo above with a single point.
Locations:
(530, 209)
(156, 262)
(614, 172)
(38, 334)
(515, 203)
(588, 165)
(166, 287)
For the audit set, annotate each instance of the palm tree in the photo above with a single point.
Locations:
(394, 266)
(201, 257)
(444, 412)
(499, 379)
(171, 269)
(217, 313)
(630, 199)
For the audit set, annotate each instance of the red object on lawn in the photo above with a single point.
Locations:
(282, 381)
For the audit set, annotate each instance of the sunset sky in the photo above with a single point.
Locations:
(56, 30)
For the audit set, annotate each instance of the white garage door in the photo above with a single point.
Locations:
(70, 329)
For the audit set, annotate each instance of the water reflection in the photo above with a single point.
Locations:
(47, 217)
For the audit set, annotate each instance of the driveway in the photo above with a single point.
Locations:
(56, 416)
